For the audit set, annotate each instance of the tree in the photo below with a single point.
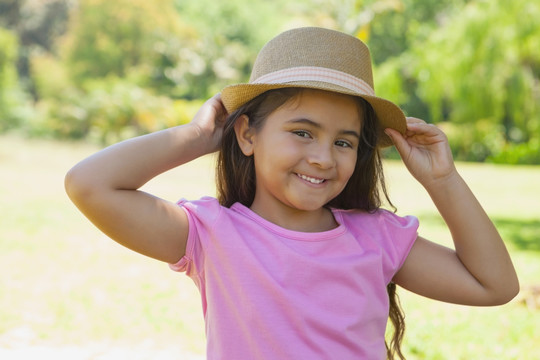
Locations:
(231, 34)
(37, 25)
(134, 39)
(478, 71)
(485, 65)
(12, 99)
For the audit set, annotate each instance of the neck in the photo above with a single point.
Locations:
(299, 220)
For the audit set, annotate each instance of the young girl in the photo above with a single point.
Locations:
(295, 257)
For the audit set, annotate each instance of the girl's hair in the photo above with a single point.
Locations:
(235, 175)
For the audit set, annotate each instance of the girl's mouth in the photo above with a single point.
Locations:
(311, 179)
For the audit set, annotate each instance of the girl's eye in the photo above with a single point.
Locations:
(342, 143)
(302, 133)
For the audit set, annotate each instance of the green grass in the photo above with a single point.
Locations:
(64, 284)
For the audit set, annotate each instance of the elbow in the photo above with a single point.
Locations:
(512, 289)
(71, 183)
(504, 296)
(76, 185)
(513, 292)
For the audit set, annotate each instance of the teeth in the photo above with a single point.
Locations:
(310, 179)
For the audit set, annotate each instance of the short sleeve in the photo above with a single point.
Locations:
(399, 234)
(201, 215)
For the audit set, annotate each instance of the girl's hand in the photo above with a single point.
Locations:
(479, 271)
(210, 120)
(425, 151)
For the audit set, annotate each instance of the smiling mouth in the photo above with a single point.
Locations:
(310, 179)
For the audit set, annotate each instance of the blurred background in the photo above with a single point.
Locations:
(76, 75)
(105, 70)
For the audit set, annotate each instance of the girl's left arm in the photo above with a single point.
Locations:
(479, 271)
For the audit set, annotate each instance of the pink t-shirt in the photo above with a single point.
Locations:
(272, 293)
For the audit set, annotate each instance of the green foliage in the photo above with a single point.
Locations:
(389, 83)
(115, 64)
(129, 39)
(13, 101)
(50, 77)
(474, 141)
(524, 153)
(468, 65)
(478, 69)
(392, 34)
(109, 110)
(119, 110)
(482, 51)
(230, 35)
(404, 22)
(8, 51)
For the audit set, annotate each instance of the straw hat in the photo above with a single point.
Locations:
(316, 58)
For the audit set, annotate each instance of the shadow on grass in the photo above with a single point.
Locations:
(523, 234)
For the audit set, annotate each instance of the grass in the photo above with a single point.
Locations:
(64, 285)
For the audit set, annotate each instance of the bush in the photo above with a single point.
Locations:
(13, 100)
(474, 141)
(108, 111)
(525, 153)
(62, 117)
(49, 76)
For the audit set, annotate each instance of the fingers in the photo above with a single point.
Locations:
(419, 128)
(212, 111)
(399, 140)
(217, 104)
(414, 127)
(413, 120)
(418, 133)
(415, 124)
(424, 149)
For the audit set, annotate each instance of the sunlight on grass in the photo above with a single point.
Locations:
(65, 284)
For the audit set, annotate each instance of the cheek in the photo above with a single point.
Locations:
(346, 171)
(348, 166)
(276, 149)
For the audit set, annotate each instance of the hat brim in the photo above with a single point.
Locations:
(388, 114)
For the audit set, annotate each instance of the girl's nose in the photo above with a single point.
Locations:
(322, 156)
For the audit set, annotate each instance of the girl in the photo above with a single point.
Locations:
(295, 257)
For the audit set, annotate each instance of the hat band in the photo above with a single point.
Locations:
(314, 73)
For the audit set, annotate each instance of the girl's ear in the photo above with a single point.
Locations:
(244, 134)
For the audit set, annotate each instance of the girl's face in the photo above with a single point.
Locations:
(304, 155)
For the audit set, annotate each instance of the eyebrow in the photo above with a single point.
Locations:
(318, 126)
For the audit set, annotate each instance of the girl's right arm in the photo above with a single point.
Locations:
(105, 185)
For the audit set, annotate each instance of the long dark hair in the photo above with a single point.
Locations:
(235, 176)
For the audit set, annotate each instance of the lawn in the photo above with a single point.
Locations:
(69, 292)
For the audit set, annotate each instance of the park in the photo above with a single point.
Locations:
(110, 70)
